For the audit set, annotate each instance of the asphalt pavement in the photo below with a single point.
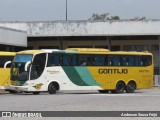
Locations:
(141, 100)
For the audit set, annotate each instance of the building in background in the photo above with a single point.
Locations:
(128, 35)
(12, 38)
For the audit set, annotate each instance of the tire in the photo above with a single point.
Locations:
(130, 88)
(103, 91)
(120, 87)
(12, 91)
(36, 93)
(113, 91)
(52, 88)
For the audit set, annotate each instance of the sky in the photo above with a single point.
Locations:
(45, 10)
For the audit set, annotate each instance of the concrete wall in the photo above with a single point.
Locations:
(86, 28)
(13, 37)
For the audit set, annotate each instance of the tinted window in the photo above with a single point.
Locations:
(129, 60)
(4, 59)
(98, 60)
(69, 59)
(147, 60)
(113, 60)
(38, 65)
(85, 60)
(50, 61)
(61, 59)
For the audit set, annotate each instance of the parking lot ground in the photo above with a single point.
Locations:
(141, 100)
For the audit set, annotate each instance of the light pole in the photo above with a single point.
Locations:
(66, 10)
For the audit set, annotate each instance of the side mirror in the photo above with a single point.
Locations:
(26, 65)
(5, 65)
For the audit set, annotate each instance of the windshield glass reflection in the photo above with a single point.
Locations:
(18, 72)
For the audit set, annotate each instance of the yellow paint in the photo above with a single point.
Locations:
(109, 81)
(5, 74)
(143, 76)
(30, 52)
(38, 86)
(88, 49)
(4, 77)
(13, 82)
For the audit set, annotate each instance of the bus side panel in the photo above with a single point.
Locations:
(146, 80)
(4, 77)
(79, 76)
(54, 74)
(88, 78)
(108, 77)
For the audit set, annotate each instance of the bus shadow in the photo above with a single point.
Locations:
(75, 93)
(58, 93)
(4, 93)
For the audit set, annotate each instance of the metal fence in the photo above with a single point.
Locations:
(156, 80)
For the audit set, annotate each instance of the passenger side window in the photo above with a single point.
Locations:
(110, 60)
(66, 60)
(124, 60)
(73, 59)
(61, 59)
(147, 60)
(114, 60)
(99, 60)
(85, 60)
(138, 61)
(54, 59)
(50, 61)
(130, 60)
(57, 59)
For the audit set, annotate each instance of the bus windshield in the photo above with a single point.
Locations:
(18, 72)
(34, 70)
(23, 58)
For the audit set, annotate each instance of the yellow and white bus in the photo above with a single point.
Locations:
(5, 74)
(81, 69)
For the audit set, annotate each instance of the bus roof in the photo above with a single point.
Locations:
(37, 51)
(131, 52)
(30, 51)
(105, 51)
(88, 49)
(84, 51)
(3, 53)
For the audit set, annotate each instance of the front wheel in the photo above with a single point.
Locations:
(52, 88)
(130, 88)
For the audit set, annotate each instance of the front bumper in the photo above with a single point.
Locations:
(5, 87)
(19, 88)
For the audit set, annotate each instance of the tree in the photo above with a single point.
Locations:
(103, 16)
(115, 18)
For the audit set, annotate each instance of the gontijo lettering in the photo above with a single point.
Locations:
(113, 71)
